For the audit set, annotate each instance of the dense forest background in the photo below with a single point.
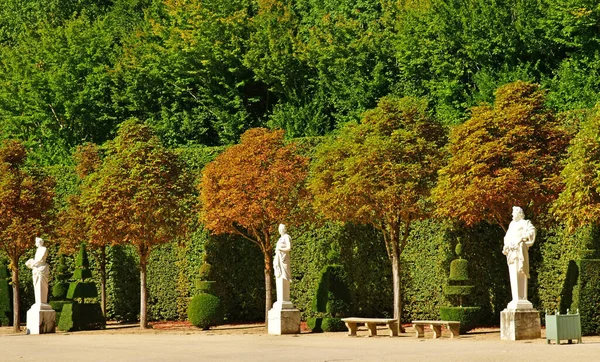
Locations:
(202, 72)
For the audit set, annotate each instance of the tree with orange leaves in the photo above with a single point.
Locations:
(252, 187)
(74, 224)
(140, 194)
(380, 173)
(26, 199)
(506, 155)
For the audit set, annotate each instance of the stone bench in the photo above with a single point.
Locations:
(371, 324)
(452, 326)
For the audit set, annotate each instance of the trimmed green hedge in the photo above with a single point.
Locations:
(586, 296)
(81, 316)
(205, 311)
(467, 316)
(82, 312)
(5, 296)
(319, 325)
(459, 270)
(332, 300)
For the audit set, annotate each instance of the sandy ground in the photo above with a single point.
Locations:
(180, 342)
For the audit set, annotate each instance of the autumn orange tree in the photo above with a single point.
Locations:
(74, 224)
(140, 194)
(380, 172)
(507, 154)
(252, 187)
(579, 203)
(26, 201)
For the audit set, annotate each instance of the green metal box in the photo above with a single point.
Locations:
(563, 326)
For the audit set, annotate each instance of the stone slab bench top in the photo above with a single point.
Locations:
(369, 320)
(371, 324)
(453, 326)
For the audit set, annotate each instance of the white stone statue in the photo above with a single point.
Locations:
(40, 271)
(520, 236)
(281, 266)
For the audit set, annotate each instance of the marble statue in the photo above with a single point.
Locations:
(40, 271)
(520, 236)
(283, 318)
(281, 266)
(41, 318)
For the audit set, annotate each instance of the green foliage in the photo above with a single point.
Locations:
(5, 296)
(123, 287)
(557, 273)
(318, 325)
(332, 299)
(61, 280)
(81, 316)
(83, 312)
(579, 202)
(459, 270)
(82, 290)
(238, 276)
(504, 155)
(58, 305)
(332, 296)
(82, 287)
(586, 296)
(205, 311)
(458, 290)
(162, 283)
(205, 286)
(468, 317)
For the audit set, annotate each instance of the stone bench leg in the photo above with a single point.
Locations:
(372, 329)
(454, 330)
(437, 331)
(351, 328)
(393, 327)
(420, 330)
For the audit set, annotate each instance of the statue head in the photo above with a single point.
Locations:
(518, 213)
(39, 242)
(282, 229)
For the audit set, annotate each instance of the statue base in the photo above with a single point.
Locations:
(284, 319)
(517, 324)
(41, 318)
(519, 304)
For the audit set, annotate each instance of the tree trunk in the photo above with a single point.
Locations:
(103, 280)
(397, 291)
(143, 316)
(268, 290)
(16, 297)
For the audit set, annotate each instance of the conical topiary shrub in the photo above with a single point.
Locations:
(5, 296)
(457, 292)
(82, 311)
(60, 287)
(331, 301)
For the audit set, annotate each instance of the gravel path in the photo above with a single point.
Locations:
(251, 343)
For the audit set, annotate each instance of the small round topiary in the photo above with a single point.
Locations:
(205, 310)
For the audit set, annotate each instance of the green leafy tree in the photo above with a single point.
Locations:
(74, 226)
(182, 71)
(141, 194)
(505, 155)
(579, 203)
(251, 188)
(26, 201)
(380, 172)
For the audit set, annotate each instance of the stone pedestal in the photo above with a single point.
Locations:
(41, 318)
(284, 319)
(517, 324)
